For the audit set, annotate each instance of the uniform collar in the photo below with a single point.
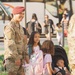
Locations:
(17, 24)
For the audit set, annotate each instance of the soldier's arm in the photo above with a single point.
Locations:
(9, 34)
(25, 53)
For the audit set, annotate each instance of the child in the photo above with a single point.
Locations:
(48, 51)
(61, 69)
(36, 55)
(59, 33)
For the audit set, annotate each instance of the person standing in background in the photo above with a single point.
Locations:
(60, 13)
(49, 26)
(34, 25)
(59, 33)
(15, 48)
(67, 13)
(64, 23)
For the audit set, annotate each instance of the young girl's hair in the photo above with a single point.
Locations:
(31, 39)
(31, 42)
(48, 47)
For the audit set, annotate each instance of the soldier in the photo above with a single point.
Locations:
(71, 44)
(15, 46)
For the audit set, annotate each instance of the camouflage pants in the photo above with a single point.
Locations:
(11, 67)
(72, 61)
(71, 55)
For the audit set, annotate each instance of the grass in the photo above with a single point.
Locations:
(3, 73)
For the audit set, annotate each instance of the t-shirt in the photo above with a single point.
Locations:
(47, 58)
(50, 22)
(59, 32)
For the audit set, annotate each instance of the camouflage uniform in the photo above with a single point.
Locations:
(71, 45)
(71, 55)
(15, 47)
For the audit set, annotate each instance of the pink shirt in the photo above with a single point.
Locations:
(35, 67)
(46, 59)
(37, 61)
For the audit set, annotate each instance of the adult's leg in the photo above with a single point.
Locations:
(11, 73)
(11, 67)
(21, 71)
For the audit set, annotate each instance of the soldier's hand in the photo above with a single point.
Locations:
(18, 62)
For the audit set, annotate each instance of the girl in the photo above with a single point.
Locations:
(34, 42)
(59, 33)
(36, 55)
(48, 50)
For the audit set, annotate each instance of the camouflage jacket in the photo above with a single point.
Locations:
(14, 43)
